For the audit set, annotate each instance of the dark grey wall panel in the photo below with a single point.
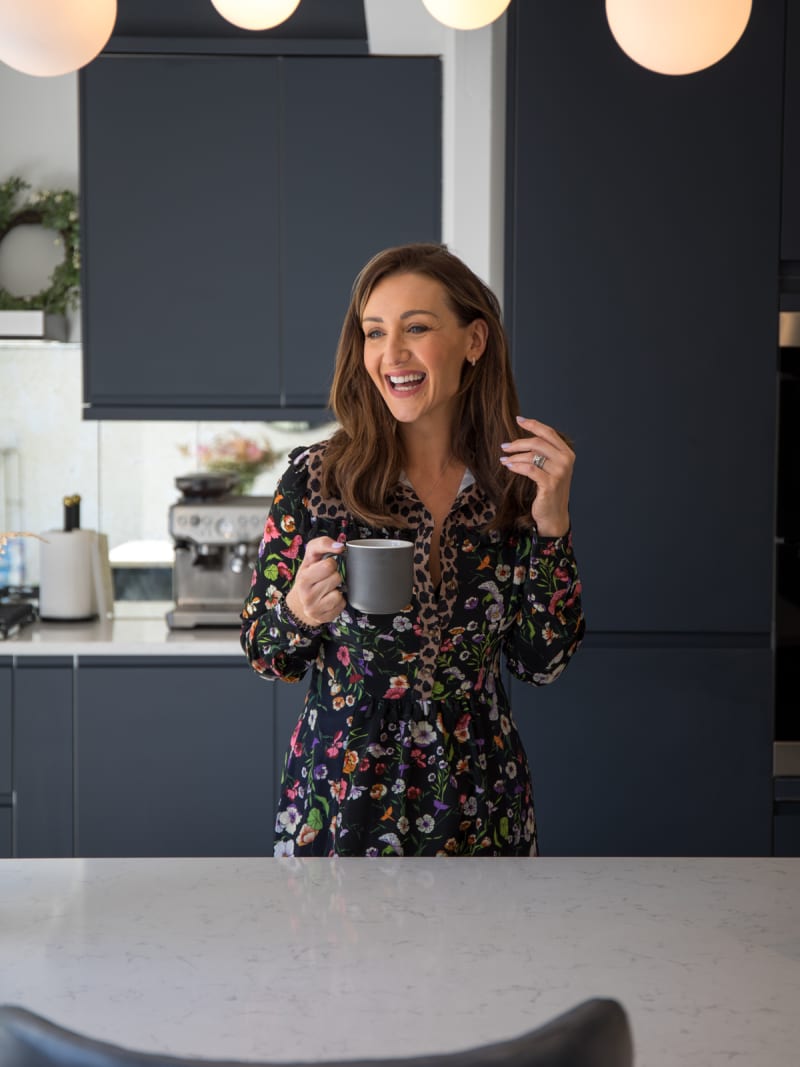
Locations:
(643, 231)
(361, 152)
(665, 751)
(43, 759)
(174, 761)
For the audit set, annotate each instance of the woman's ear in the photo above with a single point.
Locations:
(478, 333)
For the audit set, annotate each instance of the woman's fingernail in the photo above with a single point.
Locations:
(506, 444)
(505, 460)
(338, 546)
(521, 418)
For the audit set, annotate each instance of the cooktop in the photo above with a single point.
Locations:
(15, 616)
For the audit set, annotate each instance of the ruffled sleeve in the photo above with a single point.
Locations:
(549, 626)
(273, 643)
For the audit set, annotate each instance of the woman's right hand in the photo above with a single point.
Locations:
(316, 595)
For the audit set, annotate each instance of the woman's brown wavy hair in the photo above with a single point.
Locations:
(364, 458)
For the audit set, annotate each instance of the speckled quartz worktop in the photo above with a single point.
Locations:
(307, 959)
(137, 629)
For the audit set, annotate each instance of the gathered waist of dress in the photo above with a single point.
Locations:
(410, 708)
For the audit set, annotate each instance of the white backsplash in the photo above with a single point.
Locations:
(124, 471)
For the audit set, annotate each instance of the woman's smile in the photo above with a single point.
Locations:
(406, 384)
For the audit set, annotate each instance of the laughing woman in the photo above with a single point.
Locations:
(407, 744)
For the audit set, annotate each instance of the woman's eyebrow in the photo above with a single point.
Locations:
(405, 315)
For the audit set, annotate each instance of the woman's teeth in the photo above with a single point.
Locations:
(405, 382)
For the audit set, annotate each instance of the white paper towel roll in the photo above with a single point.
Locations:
(66, 576)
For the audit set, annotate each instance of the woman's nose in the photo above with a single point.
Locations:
(396, 349)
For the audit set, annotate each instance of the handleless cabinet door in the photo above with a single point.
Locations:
(361, 171)
(43, 750)
(5, 730)
(179, 178)
(643, 233)
(5, 761)
(790, 214)
(5, 831)
(652, 752)
(173, 758)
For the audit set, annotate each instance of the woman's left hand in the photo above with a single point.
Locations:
(546, 459)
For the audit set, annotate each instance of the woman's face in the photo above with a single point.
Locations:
(415, 347)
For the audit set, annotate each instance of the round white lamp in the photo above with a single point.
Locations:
(466, 14)
(256, 14)
(51, 37)
(677, 36)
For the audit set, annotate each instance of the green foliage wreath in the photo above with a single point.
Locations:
(55, 211)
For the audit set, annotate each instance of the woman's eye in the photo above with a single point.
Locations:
(373, 335)
(417, 328)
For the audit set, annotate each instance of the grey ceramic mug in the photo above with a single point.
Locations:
(379, 574)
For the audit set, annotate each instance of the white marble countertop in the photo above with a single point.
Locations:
(136, 629)
(320, 959)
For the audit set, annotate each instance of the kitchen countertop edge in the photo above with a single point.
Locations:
(132, 631)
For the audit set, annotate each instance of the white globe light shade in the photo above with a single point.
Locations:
(466, 14)
(677, 36)
(256, 14)
(51, 37)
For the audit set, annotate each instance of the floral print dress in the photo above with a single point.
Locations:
(406, 744)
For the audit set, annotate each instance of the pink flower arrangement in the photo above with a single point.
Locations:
(232, 453)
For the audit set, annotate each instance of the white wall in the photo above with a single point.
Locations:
(124, 471)
(473, 170)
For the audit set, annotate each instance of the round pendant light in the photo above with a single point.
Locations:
(51, 37)
(466, 14)
(256, 14)
(677, 36)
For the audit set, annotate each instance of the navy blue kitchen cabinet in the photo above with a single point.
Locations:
(173, 758)
(43, 749)
(790, 214)
(179, 193)
(643, 235)
(361, 168)
(227, 203)
(643, 248)
(652, 751)
(5, 759)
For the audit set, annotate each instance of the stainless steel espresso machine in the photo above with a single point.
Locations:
(216, 534)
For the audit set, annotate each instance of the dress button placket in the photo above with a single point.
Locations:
(424, 681)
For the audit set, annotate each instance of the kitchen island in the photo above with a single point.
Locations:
(321, 959)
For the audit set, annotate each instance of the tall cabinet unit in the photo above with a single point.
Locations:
(787, 577)
(229, 201)
(642, 235)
